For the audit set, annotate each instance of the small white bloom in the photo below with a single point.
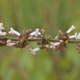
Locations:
(56, 37)
(35, 33)
(53, 45)
(12, 31)
(2, 33)
(33, 51)
(9, 43)
(70, 29)
(72, 36)
(1, 27)
(75, 36)
(78, 36)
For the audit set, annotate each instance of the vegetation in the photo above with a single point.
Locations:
(51, 15)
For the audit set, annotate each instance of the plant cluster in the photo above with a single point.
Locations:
(21, 40)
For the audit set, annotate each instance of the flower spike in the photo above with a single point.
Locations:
(44, 41)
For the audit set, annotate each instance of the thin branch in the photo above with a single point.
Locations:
(38, 39)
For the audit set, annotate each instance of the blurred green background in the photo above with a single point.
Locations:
(51, 15)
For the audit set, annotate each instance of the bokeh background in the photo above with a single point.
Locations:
(51, 15)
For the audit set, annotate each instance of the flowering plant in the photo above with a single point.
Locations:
(43, 41)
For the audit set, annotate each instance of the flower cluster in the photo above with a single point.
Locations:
(43, 41)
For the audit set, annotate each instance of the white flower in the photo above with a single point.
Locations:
(75, 36)
(72, 36)
(70, 29)
(33, 51)
(53, 45)
(35, 33)
(1, 27)
(12, 31)
(78, 36)
(56, 37)
(9, 43)
(2, 33)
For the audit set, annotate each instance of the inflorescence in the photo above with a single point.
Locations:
(21, 40)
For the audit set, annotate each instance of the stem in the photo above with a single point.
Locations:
(38, 39)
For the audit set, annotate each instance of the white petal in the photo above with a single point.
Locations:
(56, 37)
(53, 45)
(36, 49)
(71, 37)
(78, 36)
(1, 27)
(12, 31)
(37, 30)
(35, 33)
(9, 43)
(2, 33)
(33, 51)
(70, 29)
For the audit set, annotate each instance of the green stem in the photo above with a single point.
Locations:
(38, 39)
